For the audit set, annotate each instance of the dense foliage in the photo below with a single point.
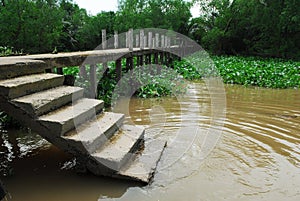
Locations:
(40, 26)
(165, 14)
(265, 28)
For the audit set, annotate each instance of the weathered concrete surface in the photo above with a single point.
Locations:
(45, 61)
(120, 148)
(13, 67)
(39, 62)
(66, 118)
(94, 134)
(20, 86)
(46, 101)
(143, 167)
(77, 128)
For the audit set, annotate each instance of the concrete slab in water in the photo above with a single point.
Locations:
(144, 165)
(119, 149)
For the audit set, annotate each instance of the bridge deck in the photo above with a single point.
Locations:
(72, 58)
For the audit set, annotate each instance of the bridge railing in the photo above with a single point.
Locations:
(145, 46)
(148, 48)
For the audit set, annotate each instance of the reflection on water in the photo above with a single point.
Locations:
(257, 157)
(34, 170)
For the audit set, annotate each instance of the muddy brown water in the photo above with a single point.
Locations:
(257, 157)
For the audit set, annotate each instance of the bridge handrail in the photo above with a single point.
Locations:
(162, 49)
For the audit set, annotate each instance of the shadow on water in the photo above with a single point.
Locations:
(32, 169)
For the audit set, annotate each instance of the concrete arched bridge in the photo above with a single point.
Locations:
(32, 91)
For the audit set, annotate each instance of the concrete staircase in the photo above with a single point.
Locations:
(80, 126)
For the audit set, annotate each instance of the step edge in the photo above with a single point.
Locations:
(44, 109)
(147, 177)
(89, 145)
(117, 164)
(71, 123)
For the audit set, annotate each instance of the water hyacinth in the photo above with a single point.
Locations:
(269, 72)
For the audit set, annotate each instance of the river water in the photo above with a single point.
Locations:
(254, 156)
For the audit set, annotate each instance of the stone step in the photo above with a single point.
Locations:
(43, 102)
(25, 85)
(143, 166)
(69, 117)
(94, 134)
(120, 148)
(14, 67)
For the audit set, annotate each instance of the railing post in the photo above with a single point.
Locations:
(157, 40)
(145, 41)
(150, 44)
(142, 40)
(162, 41)
(166, 41)
(116, 42)
(130, 39)
(104, 44)
(169, 42)
(137, 40)
(127, 39)
(153, 43)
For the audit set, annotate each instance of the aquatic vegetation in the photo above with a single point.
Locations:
(262, 72)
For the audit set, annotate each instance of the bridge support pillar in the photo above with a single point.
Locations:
(155, 58)
(141, 60)
(161, 57)
(119, 70)
(93, 78)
